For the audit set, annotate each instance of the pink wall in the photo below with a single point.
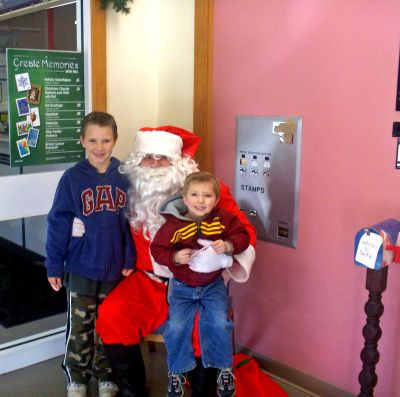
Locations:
(334, 63)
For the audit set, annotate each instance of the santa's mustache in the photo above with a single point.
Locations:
(156, 172)
(148, 181)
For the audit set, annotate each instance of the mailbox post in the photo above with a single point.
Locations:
(375, 249)
(375, 284)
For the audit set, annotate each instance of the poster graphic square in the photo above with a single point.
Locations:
(33, 137)
(22, 106)
(34, 117)
(23, 148)
(23, 127)
(23, 81)
(34, 94)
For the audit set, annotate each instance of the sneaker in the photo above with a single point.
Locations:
(176, 385)
(76, 390)
(108, 389)
(225, 384)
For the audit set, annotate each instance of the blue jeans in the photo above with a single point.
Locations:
(215, 329)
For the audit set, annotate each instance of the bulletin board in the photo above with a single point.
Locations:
(46, 105)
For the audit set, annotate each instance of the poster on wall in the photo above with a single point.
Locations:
(46, 106)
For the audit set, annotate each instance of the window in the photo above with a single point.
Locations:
(28, 306)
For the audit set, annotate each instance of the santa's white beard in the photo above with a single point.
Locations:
(150, 187)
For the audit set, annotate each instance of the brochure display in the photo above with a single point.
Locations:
(46, 106)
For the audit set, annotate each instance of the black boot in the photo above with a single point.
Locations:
(128, 369)
(203, 381)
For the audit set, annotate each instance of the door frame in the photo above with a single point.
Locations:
(203, 76)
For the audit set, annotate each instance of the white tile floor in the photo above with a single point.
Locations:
(46, 379)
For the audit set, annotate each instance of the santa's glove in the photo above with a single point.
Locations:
(78, 228)
(206, 260)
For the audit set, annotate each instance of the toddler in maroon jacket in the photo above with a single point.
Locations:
(197, 230)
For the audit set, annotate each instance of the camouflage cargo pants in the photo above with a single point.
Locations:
(84, 354)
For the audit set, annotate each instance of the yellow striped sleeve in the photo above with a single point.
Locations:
(184, 232)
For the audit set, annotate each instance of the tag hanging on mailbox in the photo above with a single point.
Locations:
(369, 249)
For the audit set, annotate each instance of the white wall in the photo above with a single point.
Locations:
(176, 63)
(150, 62)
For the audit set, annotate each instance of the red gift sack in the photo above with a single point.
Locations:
(251, 381)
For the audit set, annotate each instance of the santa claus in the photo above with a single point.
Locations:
(157, 167)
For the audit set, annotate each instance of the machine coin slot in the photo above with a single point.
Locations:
(283, 232)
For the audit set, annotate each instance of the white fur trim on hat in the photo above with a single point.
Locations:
(158, 142)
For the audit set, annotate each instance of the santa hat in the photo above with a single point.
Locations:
(167, 141)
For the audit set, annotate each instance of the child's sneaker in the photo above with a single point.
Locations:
(176, 385)
(76, 390)
(225, 384)
(108, 389)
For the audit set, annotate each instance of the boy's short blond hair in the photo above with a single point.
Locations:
(202, 177)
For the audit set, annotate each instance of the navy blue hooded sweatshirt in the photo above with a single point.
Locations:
(99, 200)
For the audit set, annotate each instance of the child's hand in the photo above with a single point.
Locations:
(55, 283)
(126, 272)
(182, 257)
(221, 246)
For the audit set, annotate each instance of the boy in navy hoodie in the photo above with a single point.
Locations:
(89, 266)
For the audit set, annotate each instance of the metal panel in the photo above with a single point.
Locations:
(267, 175)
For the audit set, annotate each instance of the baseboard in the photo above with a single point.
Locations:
(295, 378)
(28, 351)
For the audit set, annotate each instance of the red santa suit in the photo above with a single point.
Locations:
(138, 305)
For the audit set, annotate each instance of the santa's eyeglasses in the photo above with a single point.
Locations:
(156, 157)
